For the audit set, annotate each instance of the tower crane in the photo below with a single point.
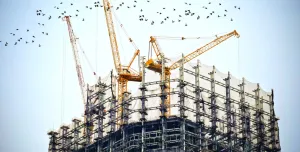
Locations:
(157, 66)
(76, 58)
(125, 73)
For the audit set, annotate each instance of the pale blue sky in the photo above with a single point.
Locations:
(31, 77)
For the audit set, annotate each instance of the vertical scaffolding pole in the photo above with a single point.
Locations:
(76, 133)
(163, 108)
(112, 112)
(53, 141)
(245, 119)
(275, 144)
(101, 114)
(88, 115)
(259, 120)
(65, 138)
(182, 105)
(125, 117)
(213, 110)
(144, 110)
(228, 113)
(198, 100)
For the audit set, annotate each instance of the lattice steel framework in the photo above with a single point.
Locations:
(176, 133)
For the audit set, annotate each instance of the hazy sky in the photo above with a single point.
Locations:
(31, 79)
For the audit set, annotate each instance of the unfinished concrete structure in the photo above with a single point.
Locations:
(210, 111)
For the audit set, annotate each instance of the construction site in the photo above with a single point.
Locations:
(181, 105)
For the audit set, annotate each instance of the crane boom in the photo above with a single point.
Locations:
(112, 36)
(76, 57)
(155, 47)
(204, 48)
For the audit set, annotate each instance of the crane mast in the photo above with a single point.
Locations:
(112, 36)
(157, 67)
(125, 73)
(76, 58)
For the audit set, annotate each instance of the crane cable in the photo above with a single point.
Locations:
(122, 27)
(86, 58)
(63, 79)
(96, 48)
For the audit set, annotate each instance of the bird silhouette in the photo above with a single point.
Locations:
(198, 17)
(173, 21)
(33, 36)
(239, 8)
(77, 10)
(27, 30)
(185, 24)
(207, 17)
(46, 33)
(234, 6)
(161, 22)
(26, 42)
(219, 3)
(231, 19)
(39, 45)
(6, 44)
(141, 10)
(225, 10)
(17, 29)
(16, 43)
(174, 9)
(49, 18)
(71, 3)
(83, 19)
(224, 14)
(61, 2)
(32, 41)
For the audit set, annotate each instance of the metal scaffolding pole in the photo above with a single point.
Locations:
(89, 123)
(245, 119)
(112, 112)
(65, 138)
(182, 105)
(163, 108)
(228, 113)
(198, 108)
(101, 114)
(76, 133)
(259, 121)
(274, 141)
(213, 109)
(125, 117)
(143, 111)
(53, 141)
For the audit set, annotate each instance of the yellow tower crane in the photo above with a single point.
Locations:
(125, 73)
(157, 66)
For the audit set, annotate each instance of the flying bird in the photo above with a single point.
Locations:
(39, 45)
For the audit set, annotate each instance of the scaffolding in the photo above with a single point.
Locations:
(210, 111)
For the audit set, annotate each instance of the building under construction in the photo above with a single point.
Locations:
(209, 111)
(196, 108)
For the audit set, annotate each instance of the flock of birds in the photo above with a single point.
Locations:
(142, 17)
